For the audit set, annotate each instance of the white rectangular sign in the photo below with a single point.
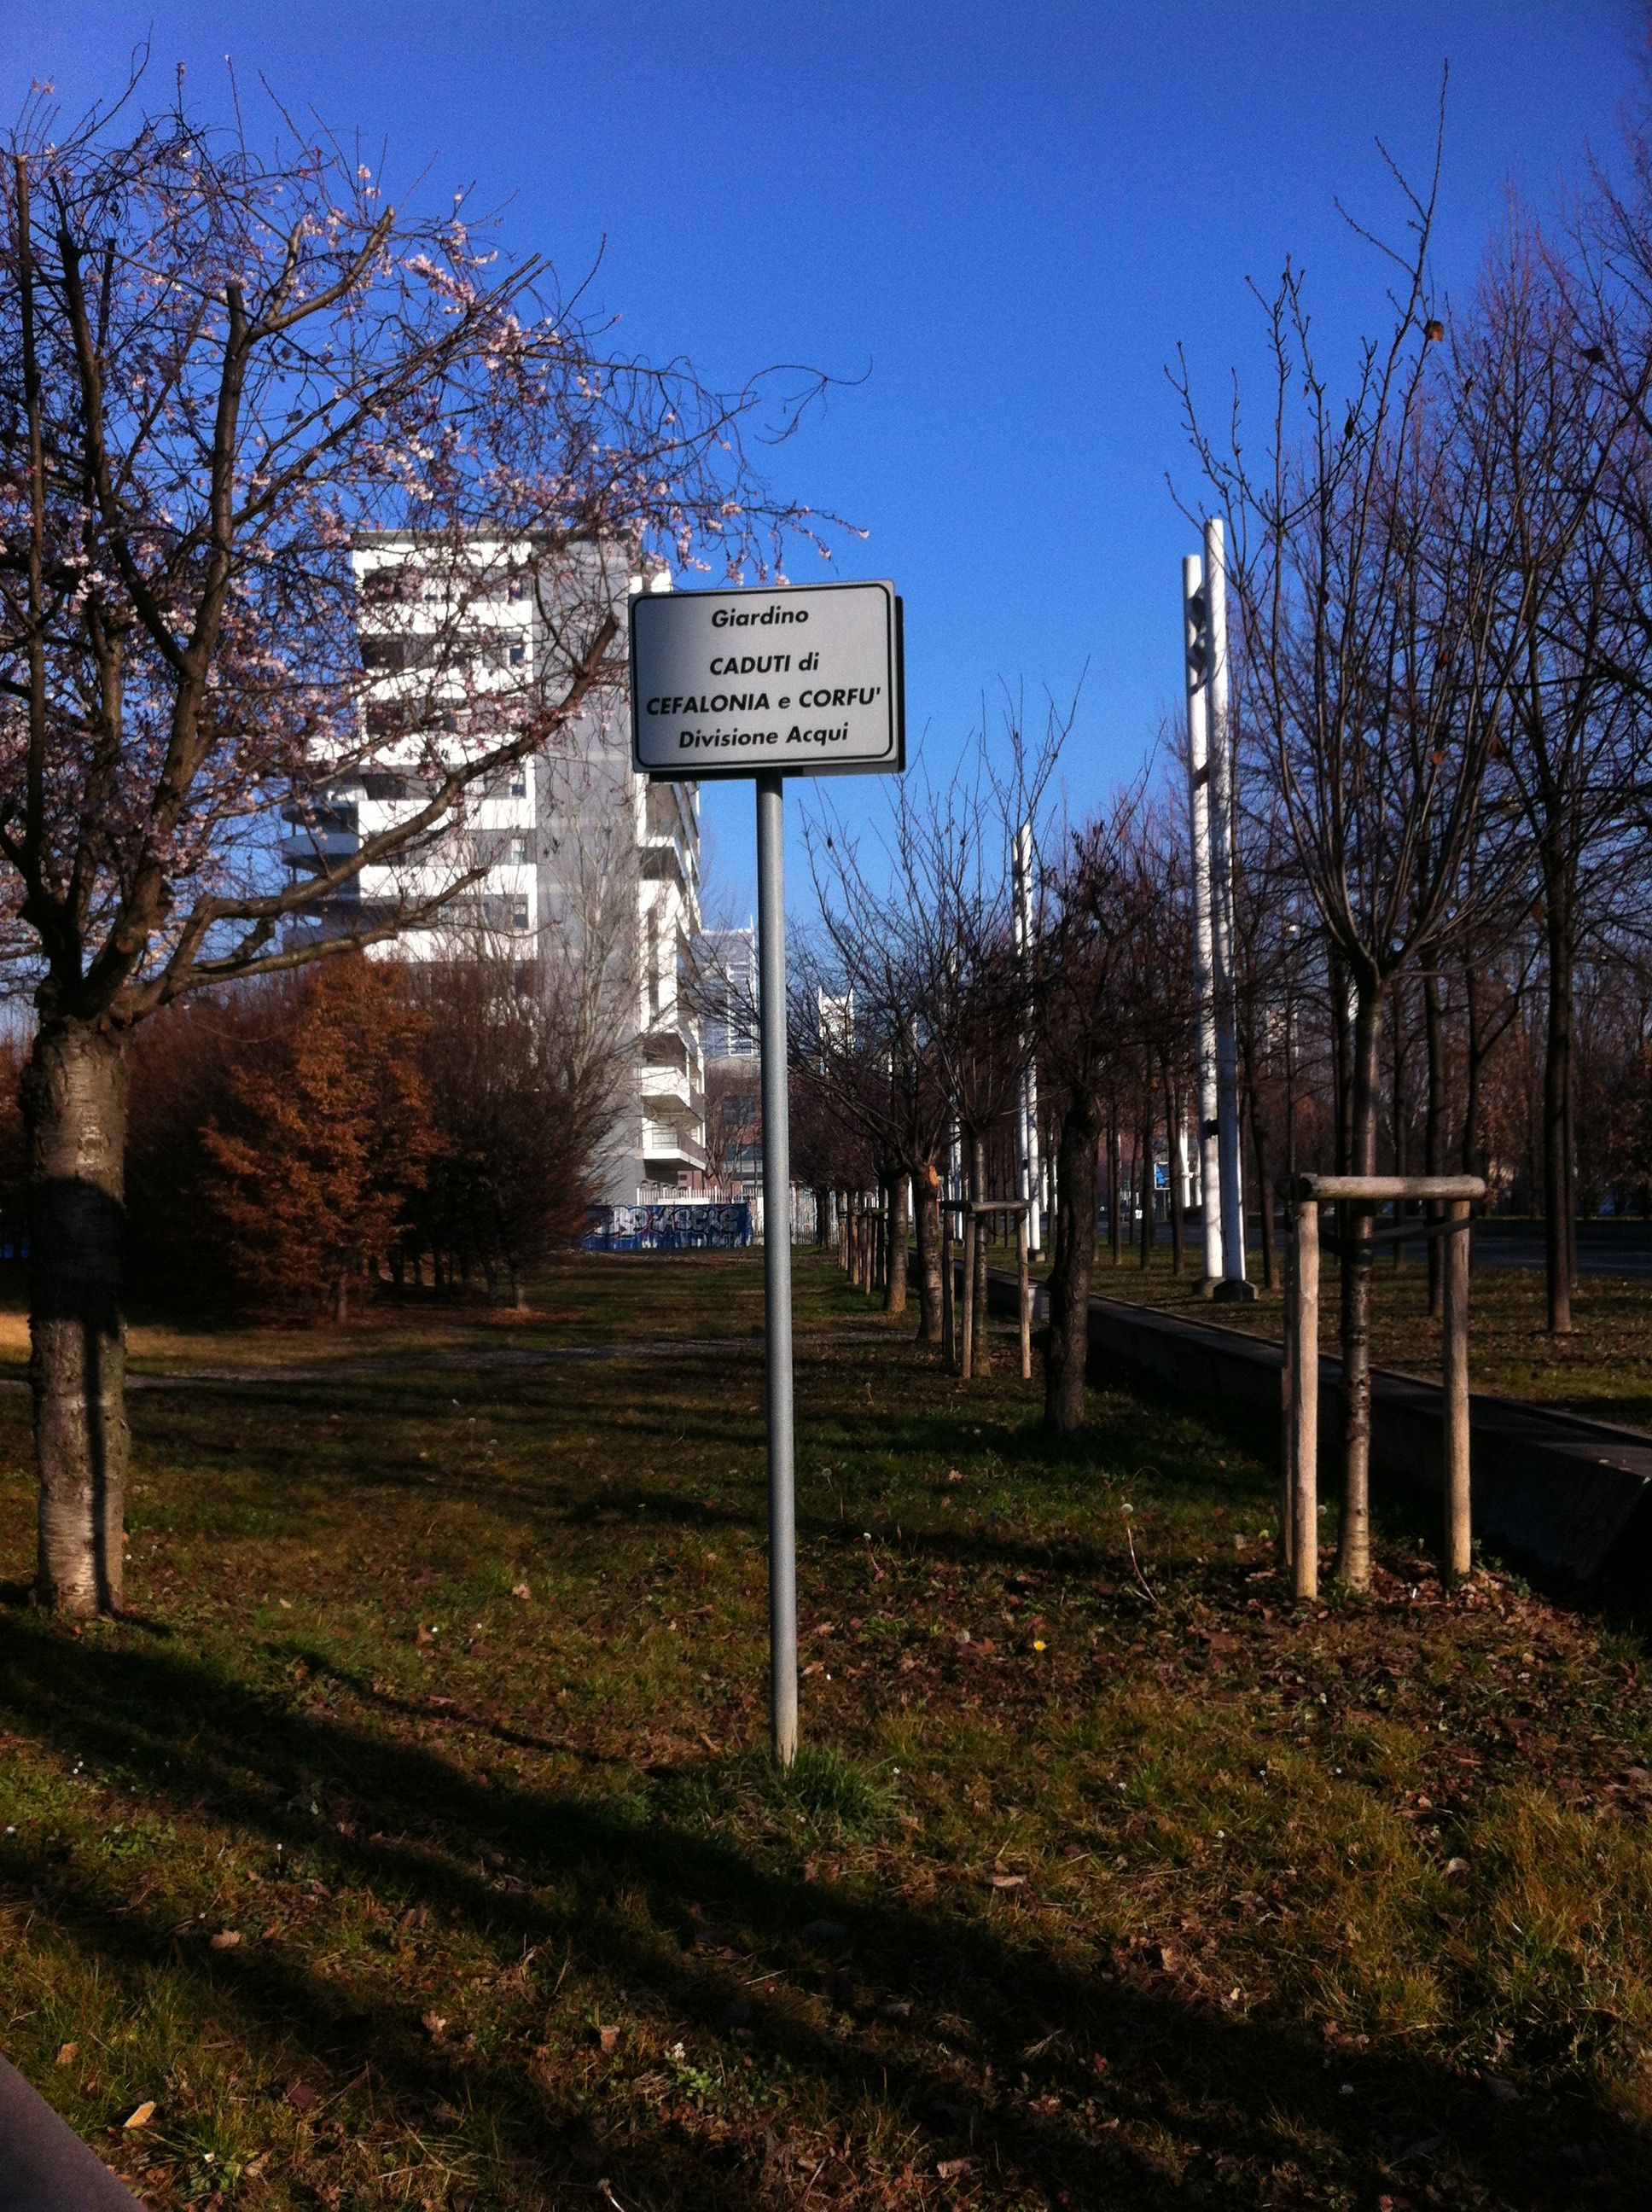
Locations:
(806, 679)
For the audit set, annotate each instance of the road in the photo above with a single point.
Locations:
(1621, 1249)
(1624, 1252)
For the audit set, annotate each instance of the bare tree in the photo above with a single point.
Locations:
(1095, 929)
(1370, 579)
(525, 1068)
(917, 934)
(1539, 398)
(733, 1125)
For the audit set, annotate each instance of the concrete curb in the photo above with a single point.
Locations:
(1570, 1496)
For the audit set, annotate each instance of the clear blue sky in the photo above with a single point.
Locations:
(1011, 214)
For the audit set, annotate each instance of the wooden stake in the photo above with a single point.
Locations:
(1305, 1390)
(1454, 1266)
(949, 1291)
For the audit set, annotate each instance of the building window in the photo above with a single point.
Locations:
(519, 654)
(390, 718)
(389, 586)
(392, 783)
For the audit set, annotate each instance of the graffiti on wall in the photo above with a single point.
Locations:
(702, 1228)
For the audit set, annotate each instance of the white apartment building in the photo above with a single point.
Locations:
(573, 853)
(728, 993)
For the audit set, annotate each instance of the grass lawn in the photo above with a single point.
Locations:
(413, 1841)
(1604, 1369)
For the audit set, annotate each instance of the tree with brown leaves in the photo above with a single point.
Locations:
(329, 1137)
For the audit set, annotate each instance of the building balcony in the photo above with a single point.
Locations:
(671, 1040)
(666, 1147)
(673, 1087)
(666, 860)
(669, 811)
(683, 799)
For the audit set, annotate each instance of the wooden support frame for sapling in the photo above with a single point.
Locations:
(976, 1213)
(1300, 1364)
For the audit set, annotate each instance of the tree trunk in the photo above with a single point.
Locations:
(1264, 1198)
(1399, 1056)
(1354, 1547)
(1115, 1177)
(895, 1270)
(1469, 1151)
(75, 1098)
(1047, 1170)
(1433, 1128)
(1144, 1176)
(1067, 1341)
(1340, 1057)
(1558, 1196)
(926, 1183)
(982, 1357)
(1173, 1152)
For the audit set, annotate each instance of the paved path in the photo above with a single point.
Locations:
(43, 2165)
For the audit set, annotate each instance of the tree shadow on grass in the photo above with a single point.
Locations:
(1064, 2075)
(439, 1711)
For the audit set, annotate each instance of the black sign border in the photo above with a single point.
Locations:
(749, 767)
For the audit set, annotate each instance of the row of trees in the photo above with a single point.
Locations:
(1441, 577)
(296, 1142)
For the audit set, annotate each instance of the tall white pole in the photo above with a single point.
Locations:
(1027, 1104)
(1220, 741)
(1199, 823)
(1035, 1177)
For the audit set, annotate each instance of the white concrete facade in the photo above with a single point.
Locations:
(569, 850)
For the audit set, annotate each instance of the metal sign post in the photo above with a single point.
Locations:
(777, 1263)
(768, 683)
